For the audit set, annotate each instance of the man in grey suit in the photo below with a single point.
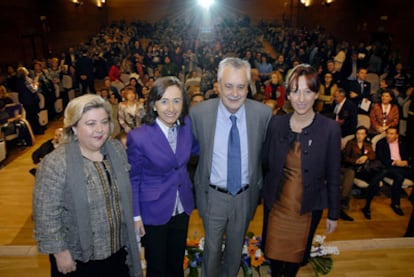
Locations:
(226, 211)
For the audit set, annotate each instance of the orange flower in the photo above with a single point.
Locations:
(193, 243)
(186, 262)
(252, 247)
(256, 261)
(252, 250)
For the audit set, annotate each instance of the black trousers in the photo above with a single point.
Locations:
(165, 247)
(33, 117)
(88, 83)
(114, 265)
(397, 174)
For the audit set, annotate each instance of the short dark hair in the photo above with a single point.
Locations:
(156, 93)
(310, 74)
(392, 127)
(390, 92)
(196, 95)
(341, 91)
(361, 127)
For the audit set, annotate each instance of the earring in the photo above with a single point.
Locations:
(74, 132)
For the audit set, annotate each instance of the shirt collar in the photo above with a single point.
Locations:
(225, 113)
(164, 128)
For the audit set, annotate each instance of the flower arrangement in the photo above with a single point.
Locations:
(193, 256)
(252, 255)
(320, 256)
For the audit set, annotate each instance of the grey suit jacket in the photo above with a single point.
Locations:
(204, 117)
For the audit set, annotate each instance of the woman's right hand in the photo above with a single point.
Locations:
(361, 160)
(65, 262)
(139, 226)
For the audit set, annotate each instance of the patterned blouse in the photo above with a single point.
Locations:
(104, 208)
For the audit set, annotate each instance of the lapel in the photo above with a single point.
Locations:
(160, 141)
(210, 131)
(182, 141)
(251, 135)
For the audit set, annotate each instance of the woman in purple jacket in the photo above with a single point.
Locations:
(158, 152)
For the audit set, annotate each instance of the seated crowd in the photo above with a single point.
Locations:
(355, 80)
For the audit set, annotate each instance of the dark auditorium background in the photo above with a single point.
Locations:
(42, 28)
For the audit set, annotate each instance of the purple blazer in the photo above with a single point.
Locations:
(157, 173)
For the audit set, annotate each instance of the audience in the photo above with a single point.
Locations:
(410, 126)
(130, 111)
(146, 51)
(359, 157)
(254, 84)
(336, 75)
(45, 148)
(345, 113)
(360, 91)
(4, 96)
(384, 115)
(275, 89)
(85, 69)
(393, 153)
(327, 89)
(265, 68)
(196, 99)
(27, 89)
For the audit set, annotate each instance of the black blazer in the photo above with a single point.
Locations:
(383, 152)
(84, 66)
(354, 86)
(321, 162)
(42, 151)
(349, 114)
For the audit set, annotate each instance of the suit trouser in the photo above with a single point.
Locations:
(398, 174)
(33, 117)
(88, 83)
(165, 247)
(225, 219)
(347, 181)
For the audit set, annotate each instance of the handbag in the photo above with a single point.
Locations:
(372, 166)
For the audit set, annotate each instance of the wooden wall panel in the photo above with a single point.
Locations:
(63, 25)
(66, 25)
(153, 10)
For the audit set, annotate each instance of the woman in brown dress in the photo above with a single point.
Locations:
(302, 163)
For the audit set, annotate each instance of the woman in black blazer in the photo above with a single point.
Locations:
(301, 158)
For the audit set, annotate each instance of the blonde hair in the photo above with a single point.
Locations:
(75, 110)
(3, 91)
(279, 77)
(22, 72)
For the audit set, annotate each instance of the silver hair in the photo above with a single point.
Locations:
(236, 63)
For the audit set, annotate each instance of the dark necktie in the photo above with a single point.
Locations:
(234, 159)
